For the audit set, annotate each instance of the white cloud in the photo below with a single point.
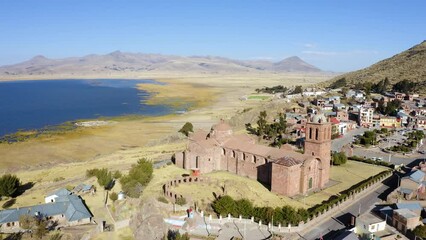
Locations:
(348, 53)
(309, 45)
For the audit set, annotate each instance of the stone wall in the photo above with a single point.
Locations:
(172, 196)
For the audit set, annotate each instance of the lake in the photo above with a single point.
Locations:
(34, 104)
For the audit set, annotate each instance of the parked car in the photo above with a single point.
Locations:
(422, 151)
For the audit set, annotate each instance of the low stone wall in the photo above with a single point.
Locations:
(343, 203)
(171, 195)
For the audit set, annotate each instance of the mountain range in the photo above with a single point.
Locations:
(409, 65)
(121, 62)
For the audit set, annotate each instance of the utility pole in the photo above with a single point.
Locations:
(359, 210)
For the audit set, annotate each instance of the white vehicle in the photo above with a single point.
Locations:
(379, 159)
(374, 158)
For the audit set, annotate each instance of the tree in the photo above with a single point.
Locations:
(224, 205)
(27, 222)
(420, 231)
(297, 89)
(181, 201)
(117, 174)
(113, 196)
(9, 184)
(104, 177)
(186, 129)
(139, 175)
(261, 123)
(404, 86)
(339, 83)
(41, 228)
(339, 158)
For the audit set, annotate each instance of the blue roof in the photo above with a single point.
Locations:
(406, 190)
(71, 206)
(417, 176)
(409, 206)
(60, 192)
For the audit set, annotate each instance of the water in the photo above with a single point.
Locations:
(26, 105)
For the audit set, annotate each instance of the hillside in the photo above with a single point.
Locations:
(410, 65)
(119, 62)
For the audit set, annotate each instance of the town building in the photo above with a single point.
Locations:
(390, 122)
(365, 116)
(61, 206)
(284, 171)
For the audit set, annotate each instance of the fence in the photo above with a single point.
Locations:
(172, 196)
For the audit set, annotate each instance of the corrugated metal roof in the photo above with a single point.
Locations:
(71, 206)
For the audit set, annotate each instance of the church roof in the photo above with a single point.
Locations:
(288, 161)
(222, 126)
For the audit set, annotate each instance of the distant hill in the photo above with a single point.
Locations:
(119, 62)
(409, 65)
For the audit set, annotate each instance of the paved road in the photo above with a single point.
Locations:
(338, 143)
(338, 220)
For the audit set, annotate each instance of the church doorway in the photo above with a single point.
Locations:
(310, 183)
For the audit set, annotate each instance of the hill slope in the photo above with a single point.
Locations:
(118, 62)
(410, 65)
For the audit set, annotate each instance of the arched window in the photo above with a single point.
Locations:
(197, 162)
(310, 183)
(316, 134)
(310, 133)
(233, 153)
(223, 151)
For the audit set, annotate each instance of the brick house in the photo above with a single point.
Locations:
(285, 171)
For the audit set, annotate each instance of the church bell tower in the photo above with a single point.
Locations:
(318, 144)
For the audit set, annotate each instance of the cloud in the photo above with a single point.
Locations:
(309, 45)
(347, 53)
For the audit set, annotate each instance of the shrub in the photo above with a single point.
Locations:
(113, 196)
(162, 199)
(58, 179)
(180, 201)
(339, 158)
(9, 184)
(139, 176)
(186, 129)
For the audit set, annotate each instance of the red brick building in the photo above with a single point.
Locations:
(286, 172)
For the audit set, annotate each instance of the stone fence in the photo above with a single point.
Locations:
(328, 212)
(345, 202)
(268, 227)
(172, 196)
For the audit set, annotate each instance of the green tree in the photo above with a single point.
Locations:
(41, 228)
(9, 185)
(339, 158)
(181, 201)
(186, 129)
(404, 86)
(261, 124)
(117, 174)
(420, 231)
(244, 208)
(113, 196)
(139, 175)
(224, 205)
(297, 89)
(339, 83)
(104, 177)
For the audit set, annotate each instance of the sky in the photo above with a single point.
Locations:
(334, 35)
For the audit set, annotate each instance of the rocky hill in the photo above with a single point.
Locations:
(409, 65)
(119, 62)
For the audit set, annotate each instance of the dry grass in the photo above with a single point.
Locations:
(346, 176)
(235, 186)
(240, 187)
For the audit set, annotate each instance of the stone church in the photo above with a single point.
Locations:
(285, 171)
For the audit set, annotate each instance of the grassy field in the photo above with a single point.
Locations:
(240, 187)
(347, 175)
(117, 146)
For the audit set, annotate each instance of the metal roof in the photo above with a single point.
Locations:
(71, 206)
